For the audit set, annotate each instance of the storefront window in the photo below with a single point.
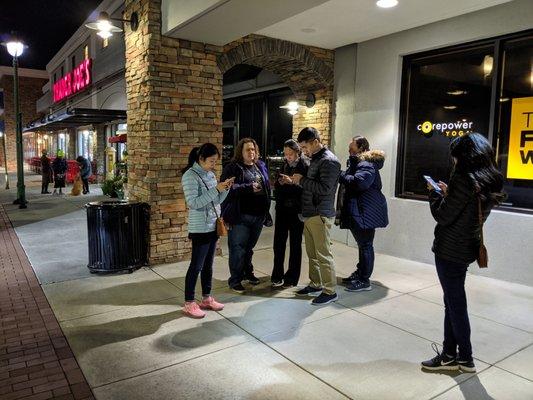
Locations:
(86, 143)
(449, 93)
(515, 148)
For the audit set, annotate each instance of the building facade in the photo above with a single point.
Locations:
(84, 100)
(30, 89)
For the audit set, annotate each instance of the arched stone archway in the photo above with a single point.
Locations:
(304, 69)
(174, 93)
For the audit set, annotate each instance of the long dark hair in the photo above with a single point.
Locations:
(475, 158)
(202, 152)
(238, 151)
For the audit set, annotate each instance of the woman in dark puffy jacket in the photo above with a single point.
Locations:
(363, 207)
(475, 187)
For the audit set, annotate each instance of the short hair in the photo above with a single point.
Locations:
(362, 142)
(308, 134)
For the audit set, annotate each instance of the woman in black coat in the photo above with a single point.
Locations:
(475, 188)
(363, 207)
(288, 223)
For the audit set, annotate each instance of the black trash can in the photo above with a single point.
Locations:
(118, 235)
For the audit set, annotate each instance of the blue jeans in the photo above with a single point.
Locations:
(203, 254)
(456, 323)
(242, 238)
(365, 243)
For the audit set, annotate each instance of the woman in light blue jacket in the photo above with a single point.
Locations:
(203, 196)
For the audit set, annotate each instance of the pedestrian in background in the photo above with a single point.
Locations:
(46, 173)
(85, 172)
(59, 166)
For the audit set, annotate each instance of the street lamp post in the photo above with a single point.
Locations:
(15, 48)
(3, 137)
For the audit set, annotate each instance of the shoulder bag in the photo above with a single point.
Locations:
(483, 256)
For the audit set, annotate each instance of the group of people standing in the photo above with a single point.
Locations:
(305, 190)
(56, 172)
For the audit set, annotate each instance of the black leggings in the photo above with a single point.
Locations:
(203, 254)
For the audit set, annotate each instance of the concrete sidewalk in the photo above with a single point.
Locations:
(132, 342)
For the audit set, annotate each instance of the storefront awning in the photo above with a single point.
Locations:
(119, 138)
(74, 117)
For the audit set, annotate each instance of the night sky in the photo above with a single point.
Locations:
(43, 25)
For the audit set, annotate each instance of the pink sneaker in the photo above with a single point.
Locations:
(209, 303)
(192, 310)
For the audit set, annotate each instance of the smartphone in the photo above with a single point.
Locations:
(432, 183)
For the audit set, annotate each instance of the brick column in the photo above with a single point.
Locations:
(99, 155)
(174, 92)
(319, 116)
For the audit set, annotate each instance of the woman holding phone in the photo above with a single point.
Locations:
(475, 187)
(203, 196)
(245, 210)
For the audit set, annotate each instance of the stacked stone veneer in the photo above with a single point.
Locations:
(174, 92)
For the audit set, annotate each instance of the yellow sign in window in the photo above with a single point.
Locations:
(520, 161)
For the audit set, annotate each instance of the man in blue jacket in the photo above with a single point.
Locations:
(85, 172)
(318, 212)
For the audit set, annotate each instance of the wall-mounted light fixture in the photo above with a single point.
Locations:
(292, 107)
(450, 107)
(105, 27)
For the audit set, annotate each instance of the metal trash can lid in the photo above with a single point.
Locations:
(111, 204)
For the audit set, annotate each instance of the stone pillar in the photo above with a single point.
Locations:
(174, 93)
(72, 143)
(99, 155)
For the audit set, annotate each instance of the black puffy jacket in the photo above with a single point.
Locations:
(457, 234)
(290, 196)
(320, 184)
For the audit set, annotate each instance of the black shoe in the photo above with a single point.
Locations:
(441, 362)
(466, 366)
(252, 279)
(353, 277)
(324, 299)
(238, 288)
(288, 285)
(277, 283)
(308, 291)
(357, 286)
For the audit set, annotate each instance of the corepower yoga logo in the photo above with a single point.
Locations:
(448, 129)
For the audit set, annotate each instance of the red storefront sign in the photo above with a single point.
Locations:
(73, 82)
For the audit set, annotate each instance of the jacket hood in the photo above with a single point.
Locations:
(376, 157)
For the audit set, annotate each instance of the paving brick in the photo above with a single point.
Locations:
(31, 341)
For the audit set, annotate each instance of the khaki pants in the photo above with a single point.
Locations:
(318, 247)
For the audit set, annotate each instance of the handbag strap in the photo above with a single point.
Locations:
(480, 216)
(207, 187)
